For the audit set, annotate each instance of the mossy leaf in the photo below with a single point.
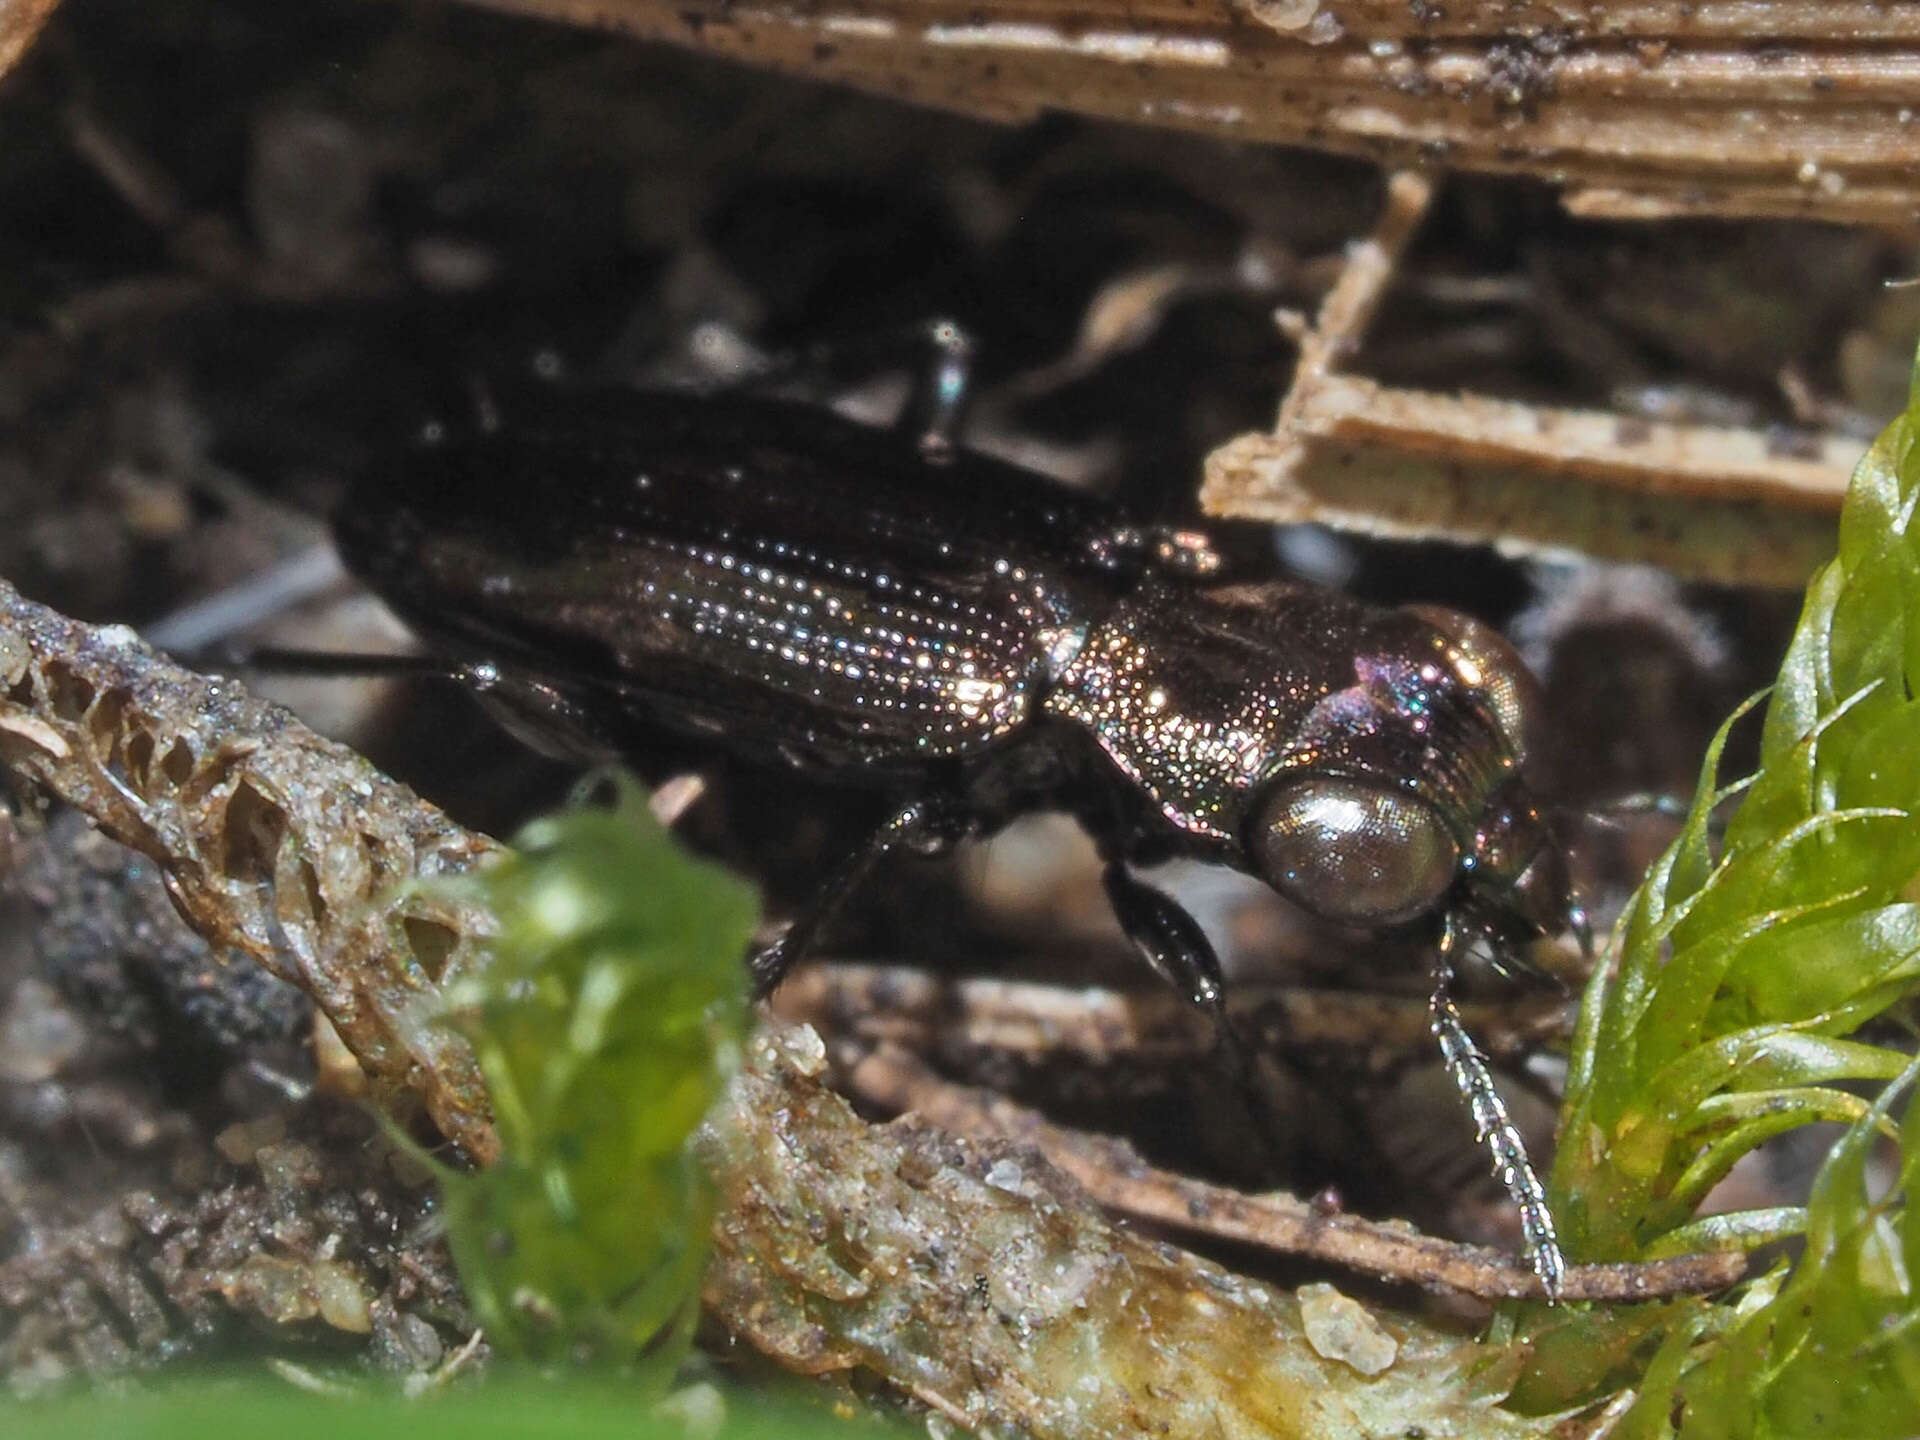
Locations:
(1739, 976)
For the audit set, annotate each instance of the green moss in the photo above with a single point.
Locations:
(606, 1023)
(1743, 970)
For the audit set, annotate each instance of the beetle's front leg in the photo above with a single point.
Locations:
(1172, 942)
(928, 824)
(1167, 937)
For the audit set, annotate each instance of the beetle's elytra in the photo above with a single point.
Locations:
(978, 642)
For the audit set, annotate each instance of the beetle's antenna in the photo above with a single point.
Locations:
(1468, 1066)
(253, 601)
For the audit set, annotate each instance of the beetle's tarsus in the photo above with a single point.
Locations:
(1173, 944)
(1167, 937)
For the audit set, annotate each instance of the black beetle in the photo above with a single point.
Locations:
(980, 643)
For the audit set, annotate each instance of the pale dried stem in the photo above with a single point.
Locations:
(1349, 305)
(1144, 1030)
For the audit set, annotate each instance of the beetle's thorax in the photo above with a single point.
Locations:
(1205, 698)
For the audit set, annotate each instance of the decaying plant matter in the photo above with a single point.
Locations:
(276, 843)
(986, 1285)
(1117, 1178)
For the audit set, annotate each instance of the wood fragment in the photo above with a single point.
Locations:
(1639, 109)
(273, 842)
(1115, 1176)
(1705, 502)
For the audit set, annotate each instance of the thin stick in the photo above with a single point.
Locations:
(1349, 307)
(1115, 1176)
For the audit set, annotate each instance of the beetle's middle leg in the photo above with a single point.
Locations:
(928, 823)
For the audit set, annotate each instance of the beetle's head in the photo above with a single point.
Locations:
(1406, 794)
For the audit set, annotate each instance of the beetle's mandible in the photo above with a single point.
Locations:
(978, 642)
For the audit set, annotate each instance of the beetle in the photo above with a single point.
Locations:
(883, 609)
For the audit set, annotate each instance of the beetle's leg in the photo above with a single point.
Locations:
(322, 664)
(926, 824)
(538, 713)
(1468, 1067)
(940, 352)
(1581, 923)
(1167, 937)
(1172, 942)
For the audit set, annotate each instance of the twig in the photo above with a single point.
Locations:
(1142, 1030)
(1116, 1177)
(1348, 307)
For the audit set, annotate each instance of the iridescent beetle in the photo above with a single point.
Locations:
(889, 612)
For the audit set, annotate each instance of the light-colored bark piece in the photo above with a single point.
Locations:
(1706, 502)
(20, 22)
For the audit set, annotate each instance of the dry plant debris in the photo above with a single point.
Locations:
(285, 847)
(1715, 503)
(298, 1221)
(1635, 108)
(1145, 1032)
(1114, 1176)
(20, 21)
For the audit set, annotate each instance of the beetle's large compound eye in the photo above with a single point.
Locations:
(1353, 852)
(1486, 660)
